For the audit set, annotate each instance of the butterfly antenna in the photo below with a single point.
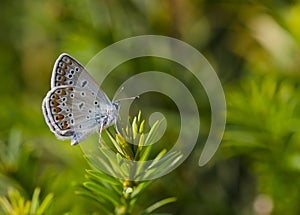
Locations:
(122, 99)
(129, 98)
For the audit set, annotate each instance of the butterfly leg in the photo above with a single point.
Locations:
(100, 132)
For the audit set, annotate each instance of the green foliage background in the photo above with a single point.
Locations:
(252, 45)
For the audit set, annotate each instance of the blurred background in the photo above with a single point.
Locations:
(252, 45)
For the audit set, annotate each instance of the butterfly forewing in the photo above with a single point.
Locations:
(68, 71)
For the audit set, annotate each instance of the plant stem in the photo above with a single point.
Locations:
(125, 209)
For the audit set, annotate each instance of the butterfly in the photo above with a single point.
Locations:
(75, 107)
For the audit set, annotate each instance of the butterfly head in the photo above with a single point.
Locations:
(116, 105)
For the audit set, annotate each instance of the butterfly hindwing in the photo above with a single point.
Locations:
(72, 112)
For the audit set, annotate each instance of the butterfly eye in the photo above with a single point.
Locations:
(116, 105)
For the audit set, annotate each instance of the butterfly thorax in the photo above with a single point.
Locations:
(109, 117)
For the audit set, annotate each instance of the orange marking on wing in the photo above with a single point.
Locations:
(63, 78)
(63, 92)
(55, 103)
(57, 109)
(65, 125)
(60, 117)
(54, 97)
